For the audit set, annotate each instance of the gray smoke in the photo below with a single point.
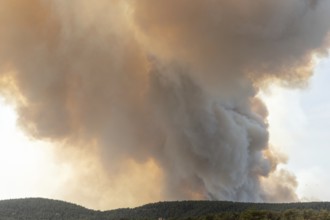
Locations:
(170, 81)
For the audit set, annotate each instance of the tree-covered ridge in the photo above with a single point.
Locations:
(202, 209)
(38, 208)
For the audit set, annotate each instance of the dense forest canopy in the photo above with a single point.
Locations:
(37, 208)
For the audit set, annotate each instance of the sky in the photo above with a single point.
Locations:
(182, 99)
(28, 166)
(299, 126)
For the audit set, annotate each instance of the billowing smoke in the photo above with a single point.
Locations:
(169, 83)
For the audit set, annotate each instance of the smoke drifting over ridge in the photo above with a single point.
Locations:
(168, 83)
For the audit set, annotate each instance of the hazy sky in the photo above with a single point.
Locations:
(299, 126)
(104, 98)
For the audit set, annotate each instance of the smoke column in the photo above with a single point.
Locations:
(169, 86)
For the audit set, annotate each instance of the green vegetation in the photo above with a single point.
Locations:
(37, 209)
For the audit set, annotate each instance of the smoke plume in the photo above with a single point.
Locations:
(168, 86)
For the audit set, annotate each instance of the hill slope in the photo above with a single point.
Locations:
(37, 208)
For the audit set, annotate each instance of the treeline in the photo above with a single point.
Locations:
(193, 209)
(37, 209)
(290, 214)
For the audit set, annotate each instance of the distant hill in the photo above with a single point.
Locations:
(38, 208)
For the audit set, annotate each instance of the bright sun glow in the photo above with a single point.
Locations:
(27, 168)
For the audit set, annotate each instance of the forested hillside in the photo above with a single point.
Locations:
(37, 209)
